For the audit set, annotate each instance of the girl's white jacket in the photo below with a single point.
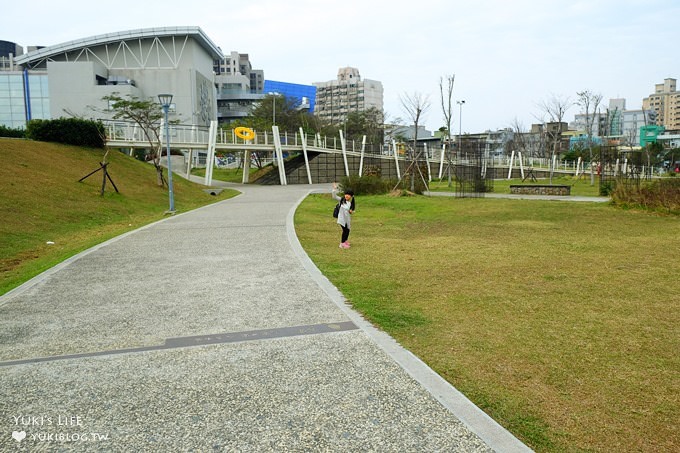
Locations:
(344, 217)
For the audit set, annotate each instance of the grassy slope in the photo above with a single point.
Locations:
(558, 319)
(41, 200)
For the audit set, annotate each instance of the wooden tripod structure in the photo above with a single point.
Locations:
(105, 175)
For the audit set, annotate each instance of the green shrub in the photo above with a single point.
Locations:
(367, 185)
(70, 131)
(606, 188)
(659, 195)
(12, 133)
(140, 154)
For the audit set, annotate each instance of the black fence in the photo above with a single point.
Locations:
(621, 167)
(473, 170)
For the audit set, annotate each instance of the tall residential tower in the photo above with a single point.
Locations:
(336, 99)
(666, 103)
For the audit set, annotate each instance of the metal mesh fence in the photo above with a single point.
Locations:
(621, 167)
(474, 174)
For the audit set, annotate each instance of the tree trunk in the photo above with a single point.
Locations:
(160, 180)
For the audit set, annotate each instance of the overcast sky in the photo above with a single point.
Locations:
(507, 56)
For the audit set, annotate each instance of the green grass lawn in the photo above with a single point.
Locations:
(224, 174)
(560, 320)
(579, 186)
(43, 201)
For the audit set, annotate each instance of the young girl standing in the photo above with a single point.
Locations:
(345, 214)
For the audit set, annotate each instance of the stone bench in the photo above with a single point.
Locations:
(540, 189)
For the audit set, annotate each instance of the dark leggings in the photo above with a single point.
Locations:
(345, 233)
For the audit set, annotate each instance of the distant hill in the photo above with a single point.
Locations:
(42, 201)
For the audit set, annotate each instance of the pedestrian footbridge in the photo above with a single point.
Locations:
(318, 159)
(276, 144)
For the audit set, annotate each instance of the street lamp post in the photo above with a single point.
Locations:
(460, 125)
(165, 101)
(273, 95)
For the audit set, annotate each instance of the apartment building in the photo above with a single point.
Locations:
(239, 86)
(665, 102)
(336, 99)
(615, 122)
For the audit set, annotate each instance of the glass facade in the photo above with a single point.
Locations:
(20, 102)
(40, 96)
(293, 90)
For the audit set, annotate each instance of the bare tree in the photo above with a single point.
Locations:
(520, 141)
(446, 94)
(555, 108)
(630, 136)
(589, 102)
(415, 106)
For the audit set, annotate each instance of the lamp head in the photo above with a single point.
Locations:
(165, 99)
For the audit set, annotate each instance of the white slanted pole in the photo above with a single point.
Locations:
(304, 151)
(427, 162)
(279, 155)
(191, 156)
(396, 158)
(344, 153)
(484, 165)
(512, 160)
(361, 160)
(441, 160)
(521, 164)
(246, 166)
(578, 166)
(210, 160)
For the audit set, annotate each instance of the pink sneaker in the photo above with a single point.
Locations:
(343, 245)
(346, 244)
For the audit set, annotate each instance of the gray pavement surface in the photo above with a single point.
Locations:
(213, 331)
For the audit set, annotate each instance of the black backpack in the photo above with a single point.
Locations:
(336, 210)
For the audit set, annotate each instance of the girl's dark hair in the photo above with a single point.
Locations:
(352, 203)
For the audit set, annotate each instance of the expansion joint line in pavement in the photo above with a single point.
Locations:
(202, 340)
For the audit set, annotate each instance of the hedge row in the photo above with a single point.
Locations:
(10, 132)
(70, 131)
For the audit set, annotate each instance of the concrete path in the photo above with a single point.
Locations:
(213, 331)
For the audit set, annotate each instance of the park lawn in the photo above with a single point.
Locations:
(560, 320)
(224, 174)
(579, 186)
(43, 201)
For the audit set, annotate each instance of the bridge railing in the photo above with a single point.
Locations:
(188, 135)
(266, 138)
(129, 131)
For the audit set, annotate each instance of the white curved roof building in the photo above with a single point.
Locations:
(70, 79)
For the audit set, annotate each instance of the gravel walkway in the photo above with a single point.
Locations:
(213, 331)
